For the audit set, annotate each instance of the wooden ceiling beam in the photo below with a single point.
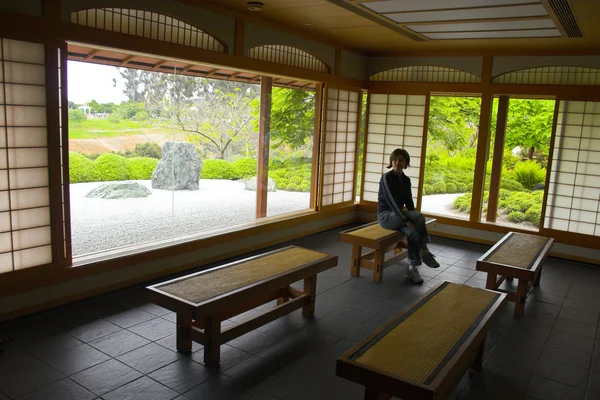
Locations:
(158, 64)
(90, 55)
(126, 60)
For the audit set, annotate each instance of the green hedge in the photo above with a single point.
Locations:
(112, 167)
(217, 169)
(81, 169)
(517, 206)
(141, 168)
(244, 168)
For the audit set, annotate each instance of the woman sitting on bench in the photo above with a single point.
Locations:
(395, 193)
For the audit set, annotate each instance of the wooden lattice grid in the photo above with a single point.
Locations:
(395, 121)
(25, 237)
(146, 24)
(573, 203)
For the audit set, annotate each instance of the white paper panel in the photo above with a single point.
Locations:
(5, 262)
(32, 257)
(31, 218)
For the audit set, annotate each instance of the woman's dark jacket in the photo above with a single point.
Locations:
(395, 193)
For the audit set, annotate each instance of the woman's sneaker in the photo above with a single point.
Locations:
(413, 275)
(429, 260)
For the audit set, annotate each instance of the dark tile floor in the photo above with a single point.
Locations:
(117, 346)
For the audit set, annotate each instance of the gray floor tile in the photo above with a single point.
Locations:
(119, 343)
(582, 306)
(296, 386)
(183, 375)
(149, 358)
(230, 356)
(94, 330)
(546, 389)
(16, 364)
(585, 317)
(575, 327)
(106, 377)
(64, 389)
(129, 318)
(563, 373)
(75, 359)
(170, 342)
(154, 329)
(141, 389)
(220, 387)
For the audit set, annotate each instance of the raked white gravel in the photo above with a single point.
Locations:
(100, 224)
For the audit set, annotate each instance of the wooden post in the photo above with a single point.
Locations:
(212, 347)
(264, 138)
(491, 281)
(538, 276)
(356, 254)
(184, 340)
(378, 266)
(240, 27)
(520, 297)
(497, 158)
(483, 145)
(314, 179)
(478, 362)
(310, 288)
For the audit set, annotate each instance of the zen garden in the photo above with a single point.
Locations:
(217, 121)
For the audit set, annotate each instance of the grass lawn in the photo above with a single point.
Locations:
(95, 128)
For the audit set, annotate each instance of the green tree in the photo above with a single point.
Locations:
(529, 125)
(454, 121)
(77, 116)
(292, 117)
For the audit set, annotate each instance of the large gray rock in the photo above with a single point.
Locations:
(121, 190)
(251, 185)
(538, 186)
(179, 167)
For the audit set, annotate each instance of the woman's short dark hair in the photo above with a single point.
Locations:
(400, 152)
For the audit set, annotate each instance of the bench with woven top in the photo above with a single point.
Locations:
(382, 241)
(424, 351)
(204, 299)
(519, 256)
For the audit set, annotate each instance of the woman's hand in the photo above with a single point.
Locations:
(412, 225)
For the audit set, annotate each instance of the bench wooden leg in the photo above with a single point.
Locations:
(283, 299)
(521, 297)
(538, 276)
(478, 362)
(356, 253)
(212, 347)
(310, 288)
(372, 394)
(378, 266)
(490, 283)
(184, 340)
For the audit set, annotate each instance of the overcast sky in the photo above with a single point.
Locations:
(88, 82)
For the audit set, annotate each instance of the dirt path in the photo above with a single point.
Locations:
(120, 143)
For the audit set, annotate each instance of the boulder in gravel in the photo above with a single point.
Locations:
(179, 168)
(121, 190)
(251, 185)
(538, 186)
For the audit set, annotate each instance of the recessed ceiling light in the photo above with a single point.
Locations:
(255, 5)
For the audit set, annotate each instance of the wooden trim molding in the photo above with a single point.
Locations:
(496, 172)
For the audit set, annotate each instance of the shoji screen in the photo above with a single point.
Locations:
(395, 121)
(341, 132)
(24, 194)
(574, 189)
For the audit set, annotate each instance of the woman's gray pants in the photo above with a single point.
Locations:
(389, 220)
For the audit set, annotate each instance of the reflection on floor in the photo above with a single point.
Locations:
(117, 346)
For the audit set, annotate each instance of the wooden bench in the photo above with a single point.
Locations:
(373, 236)
(423, 352)
(204, 299)
(519, 256)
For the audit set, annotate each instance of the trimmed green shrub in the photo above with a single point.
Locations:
(141, 168)
(451, 187)
(519, 201)
(534, 213)
(217, 169)
(427, 189)
(461, 188)
(148, 149)
(439, 187)
(244, 167)
(463, 203)
(510, 184)
(81, 169)
(516, 217)
(528, 173)
(112, 167)
(304, 186)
